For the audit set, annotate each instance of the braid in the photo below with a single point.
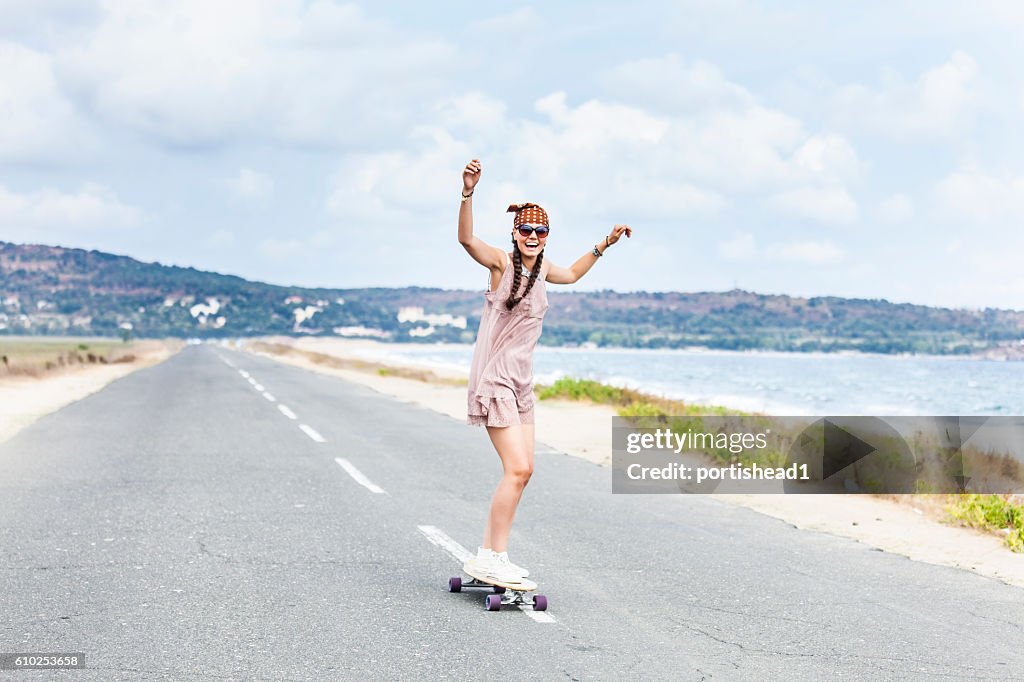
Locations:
(517, 263)
(517, 267)
(533, 274)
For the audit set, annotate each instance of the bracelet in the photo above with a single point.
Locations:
(466, 196)
(596, 252)
(606, 244)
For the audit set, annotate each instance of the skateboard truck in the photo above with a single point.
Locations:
(503, 594)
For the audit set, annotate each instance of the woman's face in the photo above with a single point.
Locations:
(531, 244)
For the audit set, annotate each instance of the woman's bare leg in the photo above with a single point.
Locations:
(515, 448)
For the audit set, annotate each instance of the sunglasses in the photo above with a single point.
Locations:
(527, 230)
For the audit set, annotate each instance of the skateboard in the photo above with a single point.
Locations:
(505, 594)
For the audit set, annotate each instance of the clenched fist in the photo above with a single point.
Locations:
(471, 175)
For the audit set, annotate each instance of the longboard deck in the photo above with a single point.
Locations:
(524, 586)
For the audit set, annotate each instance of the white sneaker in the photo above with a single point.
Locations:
(518, 569)
(481, 562)
(500, 569)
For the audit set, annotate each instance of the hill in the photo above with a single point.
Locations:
(49, 290)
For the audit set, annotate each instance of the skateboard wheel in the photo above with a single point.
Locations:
(493, 602)
(540, 603)
(498, 589)
(455, 584)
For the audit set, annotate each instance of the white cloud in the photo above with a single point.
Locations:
(293, 254)
(897, 209)
(605, 159)
(284, 249)
(44, 21)
(37, 123)
(809, 252)
(743, 247)
(92, 206)
(828, 154)
(669, 83)
(938, 103)
(473, 112)
(516, 21)
(822, 204)
(219, 239)
(591, 157)
(987, 273)
(979, 197)
(396, 186)
(634, 197)
(251, 184)
(194, 72)
(718, 132)
(582, 151)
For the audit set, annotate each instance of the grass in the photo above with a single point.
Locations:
(36, 357)
(650, 411)
(999, 514)
(630, 403)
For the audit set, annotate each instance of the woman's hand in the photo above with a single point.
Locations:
(617, 232)
(471, 175)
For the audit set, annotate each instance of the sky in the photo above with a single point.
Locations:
(864, 150)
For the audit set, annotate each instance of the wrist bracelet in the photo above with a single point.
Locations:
(465, 197)
(606, 243)
(596, 252)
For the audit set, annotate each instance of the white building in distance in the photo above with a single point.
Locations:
(415, 314)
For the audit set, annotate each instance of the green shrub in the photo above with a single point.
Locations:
(991, 512)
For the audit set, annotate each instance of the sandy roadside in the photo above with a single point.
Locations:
(909, 527)
(25, 399)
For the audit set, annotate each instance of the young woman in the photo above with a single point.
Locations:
(501, 378)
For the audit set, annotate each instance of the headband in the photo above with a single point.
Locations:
(528, 213)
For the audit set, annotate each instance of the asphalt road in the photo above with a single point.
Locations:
(181, 525)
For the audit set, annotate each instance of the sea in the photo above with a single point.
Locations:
(771, 382)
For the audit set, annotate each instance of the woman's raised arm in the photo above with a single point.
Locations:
(490, 257)
(572, 274)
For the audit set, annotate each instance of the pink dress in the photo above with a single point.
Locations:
(501, 376)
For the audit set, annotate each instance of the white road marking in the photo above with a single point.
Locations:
(243, 373)
(438, 537)
(539, 616)
(311, 432)
(251, 381)
(286, 412)
(358, 476)
(445, 542)
(268, 397)
(258, 387)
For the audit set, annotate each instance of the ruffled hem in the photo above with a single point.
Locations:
(491, 411)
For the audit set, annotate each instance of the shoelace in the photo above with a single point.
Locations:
(504, 567)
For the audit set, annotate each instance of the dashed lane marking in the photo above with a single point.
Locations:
(441, 539)
(311, 432)
(358, 476)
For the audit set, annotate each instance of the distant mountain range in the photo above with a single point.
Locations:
(51, 290)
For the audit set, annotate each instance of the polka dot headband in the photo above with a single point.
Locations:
(531, 214)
